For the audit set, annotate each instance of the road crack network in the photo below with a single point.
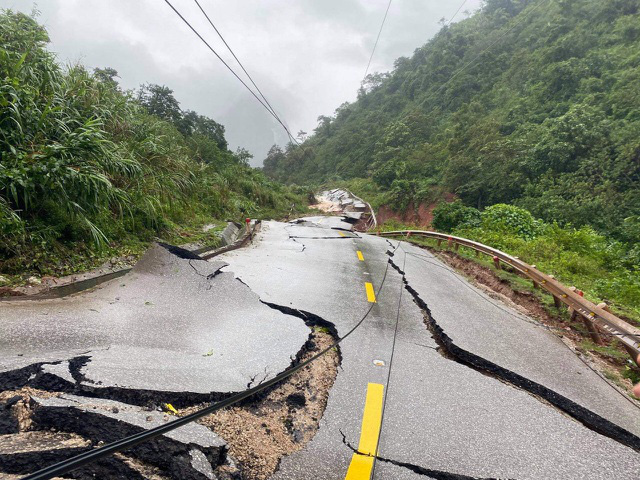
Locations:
(448, 349)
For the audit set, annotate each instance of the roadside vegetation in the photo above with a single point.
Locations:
(533, 103)
(89, 171)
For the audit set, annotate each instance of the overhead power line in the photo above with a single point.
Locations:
(229, 68)
(457, 11)
(273, 111)
(377, 39)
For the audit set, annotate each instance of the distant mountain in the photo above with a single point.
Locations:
(530, 102)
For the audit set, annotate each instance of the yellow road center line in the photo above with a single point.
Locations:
(371, 295)
(362, 463)
(342, 234)
(360, 256)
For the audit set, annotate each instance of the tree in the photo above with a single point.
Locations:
(275, 159)
(107, 76)
(159, 101)
(243, 155)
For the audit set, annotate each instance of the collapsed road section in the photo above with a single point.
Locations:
(442, 419)
(172, 334)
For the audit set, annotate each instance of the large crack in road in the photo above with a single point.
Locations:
(448, 349)
(285, 415)
(431, 473)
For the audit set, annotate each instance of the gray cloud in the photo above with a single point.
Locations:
(307, 56)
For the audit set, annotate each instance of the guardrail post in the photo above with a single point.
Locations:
(556, 301)
(593, 331)
(449, 243)
(496, 262)
(635, 356)
(439, 242)
(535, 284)
(456, 246)
(477, 253)
(248, 222)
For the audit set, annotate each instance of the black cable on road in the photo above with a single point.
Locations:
(71, 464)
(393, 351)
(267, 108)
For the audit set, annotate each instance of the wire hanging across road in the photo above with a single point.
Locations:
(267, 108)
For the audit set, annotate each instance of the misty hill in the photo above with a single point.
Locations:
(530, 102)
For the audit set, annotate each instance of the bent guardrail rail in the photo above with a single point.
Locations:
(591, 313)
(374, 221)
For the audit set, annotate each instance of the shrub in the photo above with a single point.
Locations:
(449, 216)
(510, 219)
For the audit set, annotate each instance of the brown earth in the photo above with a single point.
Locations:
(421, 216)
(282, 422)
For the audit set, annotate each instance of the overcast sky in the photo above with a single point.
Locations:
(307, 56)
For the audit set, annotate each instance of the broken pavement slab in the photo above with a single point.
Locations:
(151, 329)
(189, 452)
(481, 326)
(27, 452)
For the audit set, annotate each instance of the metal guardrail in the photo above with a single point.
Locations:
(246, 237)
(592, 314)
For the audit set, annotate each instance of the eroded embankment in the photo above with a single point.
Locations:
(284, 419)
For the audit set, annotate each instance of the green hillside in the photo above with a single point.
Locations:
(534, 103)
(88, 170)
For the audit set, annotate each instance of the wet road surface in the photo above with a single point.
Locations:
(415, 380)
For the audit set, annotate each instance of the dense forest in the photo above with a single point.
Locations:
(88, 170)
(533, 103)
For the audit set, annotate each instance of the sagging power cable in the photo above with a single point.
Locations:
(267, 108)
(273, 111)
(73, 463)
(393, 351)
(377, 39)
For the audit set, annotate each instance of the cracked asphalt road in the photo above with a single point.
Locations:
(440, 417)
(176, 325)
(168, 326)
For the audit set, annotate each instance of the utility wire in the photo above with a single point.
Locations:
(522, 317)
(377, 39)
(457, 11)
(471, 62)
(273, 111)
(228, 67)
(393, 351)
